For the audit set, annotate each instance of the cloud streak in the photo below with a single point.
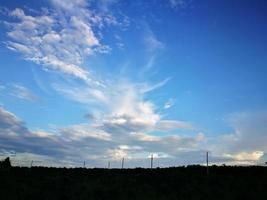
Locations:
(22, 92)
(19, 91)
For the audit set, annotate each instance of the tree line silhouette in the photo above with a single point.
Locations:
(185, 182)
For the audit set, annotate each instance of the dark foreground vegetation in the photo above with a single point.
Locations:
(187, 183)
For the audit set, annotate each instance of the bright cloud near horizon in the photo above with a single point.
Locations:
(98, 81)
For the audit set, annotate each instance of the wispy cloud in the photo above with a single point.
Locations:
(106, 4)
(169, 103)
(152, 42)
(22, 92)
(2, 87)
(153, 48)
(148, 87)
(84, 94)
(179, 3)
(122, 106)
(19, 91)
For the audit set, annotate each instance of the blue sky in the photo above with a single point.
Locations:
(101, 80)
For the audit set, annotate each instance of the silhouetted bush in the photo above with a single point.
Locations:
(162, 183)
(5, 163)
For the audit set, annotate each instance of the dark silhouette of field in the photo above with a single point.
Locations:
(191, 182)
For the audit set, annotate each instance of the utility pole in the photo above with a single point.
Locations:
(151, 162)
(83, 164)
(122, 163)
(207, 158)
(109, 165)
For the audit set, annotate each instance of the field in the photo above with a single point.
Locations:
(190, 182)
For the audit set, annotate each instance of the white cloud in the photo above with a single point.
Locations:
(81, 131)
(90, 142)
(249, 131)
(70, 5)
(246, 156)
(58, 39)
(126, 147)
(246, 144)
(117, 154)
(121, 106)
(69, 143)
(145, 137)
(124, 151)
(11, 125)
(41, 133)
(165, 125)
